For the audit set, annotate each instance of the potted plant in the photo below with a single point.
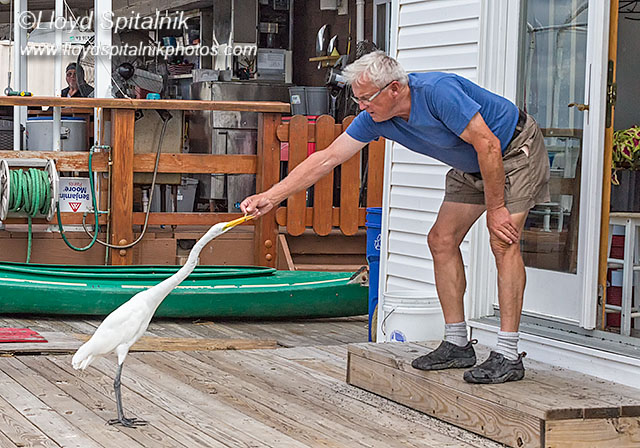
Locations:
(625, 170)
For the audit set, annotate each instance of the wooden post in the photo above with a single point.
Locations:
(266, 230)
(122, 126)
(349, 190)
(298, 150)
(323, 189)
(375, 175)
(606, 178)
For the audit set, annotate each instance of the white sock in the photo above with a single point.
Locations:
(508, 344)
(456, 333)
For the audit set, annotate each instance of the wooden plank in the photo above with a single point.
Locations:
(354, 259)
(335, 243)
(621, 432)
(581, 396)
(271, 405)
(371, 415)
(187, 219)
(349, 190)
(67, 219)
(43, 416)
(328, 267)
(236, 251)
(549, 394)
(122, 184)
(284, 255)
(282, 217)
(375, 173)
(323, 189)
(260, 402)
(75, 413)
(132, 104)
(158, 251)
(318, 360)
(95, 391)
(156, 344)
(498, 422)
(314, 395)
(266, 230)
(145, 163)
(65, 161)
(399, 356)
(229, 424)
(196, 163)
(605, 208)
(298, 147)
(57, 342)
(19, 431)
(283, 132)
(49, 250)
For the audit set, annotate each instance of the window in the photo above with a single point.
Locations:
(382, 24)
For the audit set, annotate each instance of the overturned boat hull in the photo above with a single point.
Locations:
(210, 291)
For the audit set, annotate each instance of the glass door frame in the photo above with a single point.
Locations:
(498, 71)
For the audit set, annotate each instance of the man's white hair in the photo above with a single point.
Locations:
(378, 68)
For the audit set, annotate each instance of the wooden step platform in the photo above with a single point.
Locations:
(551, 407)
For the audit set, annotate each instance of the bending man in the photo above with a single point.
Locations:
(499, 165)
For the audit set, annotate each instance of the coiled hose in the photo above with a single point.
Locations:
(30, 192)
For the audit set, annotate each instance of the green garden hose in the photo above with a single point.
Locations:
(30, 193)
(95, 211)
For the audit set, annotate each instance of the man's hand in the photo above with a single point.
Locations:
(257, 205)
(501, 226)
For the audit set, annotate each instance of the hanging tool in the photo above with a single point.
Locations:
(10, 92)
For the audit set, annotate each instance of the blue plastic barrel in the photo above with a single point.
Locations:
(374, 220)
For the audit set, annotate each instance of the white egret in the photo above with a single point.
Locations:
(124, 326)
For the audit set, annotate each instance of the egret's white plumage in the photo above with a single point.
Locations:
(124, 326)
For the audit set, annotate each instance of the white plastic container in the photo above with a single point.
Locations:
(410, 316)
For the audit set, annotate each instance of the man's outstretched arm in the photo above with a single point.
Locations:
(312, 169)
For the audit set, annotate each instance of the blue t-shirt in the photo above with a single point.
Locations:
(442, 104)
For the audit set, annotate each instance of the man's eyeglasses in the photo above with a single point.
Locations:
(372, 97)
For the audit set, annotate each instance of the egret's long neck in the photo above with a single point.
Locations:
(162, 289)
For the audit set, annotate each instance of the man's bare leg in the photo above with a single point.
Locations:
(453, 222)
(505, 363)
(511, 277)
(446, 235)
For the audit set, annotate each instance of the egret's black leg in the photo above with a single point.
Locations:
(122, 420)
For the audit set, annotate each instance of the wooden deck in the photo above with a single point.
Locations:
(551, 407)
(292, 396)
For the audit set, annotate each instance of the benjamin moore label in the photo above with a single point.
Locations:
(75, 194)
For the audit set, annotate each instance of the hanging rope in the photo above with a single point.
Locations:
(30, 192)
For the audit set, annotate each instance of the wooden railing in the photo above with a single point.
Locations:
(121, 112)
(323, 216)
(265, 165)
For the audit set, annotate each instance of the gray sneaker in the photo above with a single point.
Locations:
(447, 356)
(496, 369)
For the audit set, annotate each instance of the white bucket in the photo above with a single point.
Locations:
(411, 316)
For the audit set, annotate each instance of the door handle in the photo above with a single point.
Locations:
(581, 107)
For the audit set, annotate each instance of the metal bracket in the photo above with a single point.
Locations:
(612, 94)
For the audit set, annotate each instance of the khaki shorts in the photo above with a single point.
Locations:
(526, 169)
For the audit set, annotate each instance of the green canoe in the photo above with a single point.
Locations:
(210, 291)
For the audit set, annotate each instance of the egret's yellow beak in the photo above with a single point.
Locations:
(235, 222)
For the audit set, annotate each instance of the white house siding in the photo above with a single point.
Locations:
(435, 35)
